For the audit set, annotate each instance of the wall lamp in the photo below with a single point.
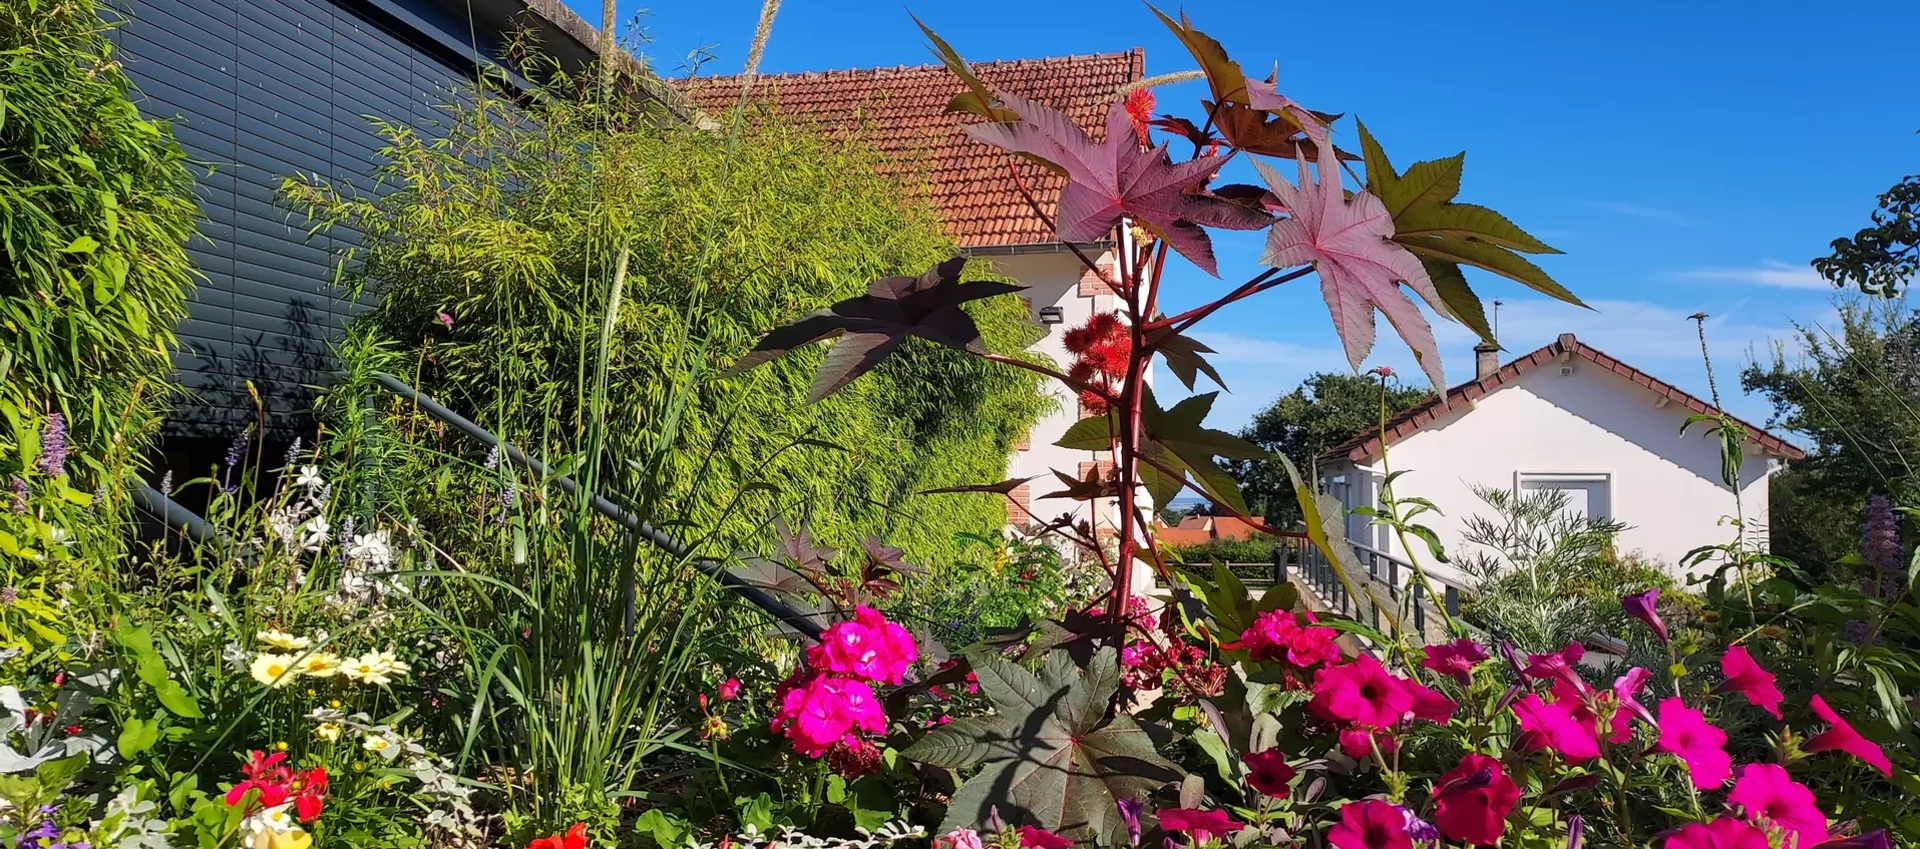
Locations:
(1051, 315)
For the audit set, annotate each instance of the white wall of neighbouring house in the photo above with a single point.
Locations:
(1603, 437)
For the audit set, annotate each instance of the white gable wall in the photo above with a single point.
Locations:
(1664, 486)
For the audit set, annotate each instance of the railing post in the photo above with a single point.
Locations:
(1279, 565)
(1453, 600)
(1419, 612)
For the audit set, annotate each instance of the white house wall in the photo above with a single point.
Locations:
(1664, 486)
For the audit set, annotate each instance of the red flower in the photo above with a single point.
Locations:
(1684, 732)
(576, 838)
(1140, 112)
(1842, 736)
(1472, 801)
(1039, 838)
(1360, 693)
(1586, 710)
(1646, 608)
(265, 773)
(1766, 794)
(1553, 726)
(1559, 665)
(1198, 824)
(729, 689)
(310, 794)
(1455, 659)
(1745, 677)
(1371, 824)
(1268, 772)
(1722, 833)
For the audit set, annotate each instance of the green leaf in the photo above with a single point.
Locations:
(870, 804)
(1058, 761)
(757, 813)
(136, 736)
(956, 745)
(1488, 257)
(1431, 183)
(55, 775)
(176, 699)
(667, 830)
(1468, 221)
(1183, 356)
(1458, 298)
(81, 245)
(1094, 433)
(976, 100)
(1216, 751)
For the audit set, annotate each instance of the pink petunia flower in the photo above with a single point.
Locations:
(1553, 726)
(1198, 824)
(1359, 741)
(1586, 709)
(1842, 736)
(1626, 693)
(1685, 732)
(729, 689)
(1360, 692)
(1429, 704)
(1766, 794)
(959, 838)
(1370, 824)
(1456, 659)
(1646, 608)
(1744, 676)
(1559, 666)
(1722, 833)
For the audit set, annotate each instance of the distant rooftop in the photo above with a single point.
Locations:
(902, 112)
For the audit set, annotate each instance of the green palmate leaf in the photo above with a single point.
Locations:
(1427, 221)
(1458, 298)
(976, 100)
(136, 736)
(1224, 76)
(1183, 356)
(874, 324)
(1051, 755)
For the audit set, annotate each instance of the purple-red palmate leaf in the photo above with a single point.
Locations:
(1114, 177)
(874, 324)
(1349, 242)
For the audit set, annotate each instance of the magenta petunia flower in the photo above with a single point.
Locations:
(1040, 838)
(1645, 607)
(1359, 741)
(729, 689)
(1360, 692)
(1745, 677)
(1429, 704)
(1554, 727)
(1455, 660)
(1279, 635)
(1370, 824)
(1766, 794)
(1559, 666)
(1472, 801)
(1626, 693)
(1198, 824)
(1722, 833)
(1268, 772)
(1685, 732)
(1842, 736)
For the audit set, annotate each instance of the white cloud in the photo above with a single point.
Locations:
(1637, 211)
(1769, 272)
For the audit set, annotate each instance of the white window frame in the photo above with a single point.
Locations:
(1522, 478)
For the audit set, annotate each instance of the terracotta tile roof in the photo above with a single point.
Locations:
(902, 112)
(1364, 445)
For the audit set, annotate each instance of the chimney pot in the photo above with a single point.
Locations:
(1486, 360)
(1567, 342)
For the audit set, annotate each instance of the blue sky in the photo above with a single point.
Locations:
(1686, 157)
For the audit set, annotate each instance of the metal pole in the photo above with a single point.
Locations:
(166, 510)
(759, 598)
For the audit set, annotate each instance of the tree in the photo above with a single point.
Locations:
(1323, 411)
(1880, 259)
(1856, 394)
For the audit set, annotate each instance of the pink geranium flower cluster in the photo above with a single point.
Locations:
(1280, 636)
(826, 706)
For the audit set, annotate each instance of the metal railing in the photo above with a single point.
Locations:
(1385, 585)
(673, 548)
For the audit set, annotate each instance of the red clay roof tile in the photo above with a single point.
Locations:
(902, 112)
(1366, 444)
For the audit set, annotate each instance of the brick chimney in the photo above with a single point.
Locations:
(1486, 360)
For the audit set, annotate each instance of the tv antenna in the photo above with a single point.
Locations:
(1497, 304)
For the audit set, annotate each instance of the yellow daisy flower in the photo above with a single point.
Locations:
(282, 640)
(271, 669)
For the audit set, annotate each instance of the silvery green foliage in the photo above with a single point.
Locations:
(789, 837)
(43, 741)
(129, 823)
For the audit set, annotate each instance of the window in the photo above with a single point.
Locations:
(1588, 493)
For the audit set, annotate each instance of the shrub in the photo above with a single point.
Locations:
(512, 229)
(96, 206)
